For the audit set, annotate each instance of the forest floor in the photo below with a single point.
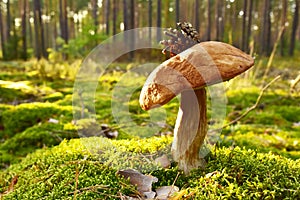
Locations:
(46, 154)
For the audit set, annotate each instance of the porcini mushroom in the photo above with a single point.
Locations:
(188, 73)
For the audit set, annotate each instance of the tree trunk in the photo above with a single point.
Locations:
(166, 15)
(177, 12)
(266, 29)
(244, 33)
(150, 19)
(107, 13)
(39, 31)
(132, 26)
(115, 12)
(294, 28)
(2, 34)
(283, 21)
(158, 20)
(197, 15)
(209, 14)
(125, 15)
(24, 29)
(250, 3)
(219, 20)
(8, 21)
(95, 14)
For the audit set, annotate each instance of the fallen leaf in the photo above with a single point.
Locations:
(163, 161)
(143, 182)
(165, 192)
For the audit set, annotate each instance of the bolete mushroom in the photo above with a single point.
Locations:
(188, 73)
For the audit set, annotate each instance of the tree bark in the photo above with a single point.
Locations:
(244, 33)
(64, 20)
(250, 3)
(177, 12)
(8, 20)
(2, 34)
(95, 14)
(294, 28)
(39, 31)
(208, 33)
(266, 29)
(107, 14)
(115, 12)
(190, 130)
(197, 15)
(24, 30)
(150, 20)
(283, 21)
(125, 15)
(132, 26)
(219, 20)
(158, 20)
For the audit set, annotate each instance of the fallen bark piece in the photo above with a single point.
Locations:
(165, 192)
(141, 181)
(163, 161)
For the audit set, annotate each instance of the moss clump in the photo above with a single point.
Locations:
(20, 117)
(246, 174)
(3, 108)
(86, 168)
(53, 97)
(39, 136)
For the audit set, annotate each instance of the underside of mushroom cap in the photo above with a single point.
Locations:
(203, 64)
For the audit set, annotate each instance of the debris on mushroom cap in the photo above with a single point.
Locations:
(203, 64)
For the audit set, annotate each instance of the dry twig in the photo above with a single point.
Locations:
(251, 108)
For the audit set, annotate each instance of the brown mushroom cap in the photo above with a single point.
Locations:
(205, 63)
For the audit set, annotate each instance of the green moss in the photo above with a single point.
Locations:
(39, 136)
(51, 173)
(53, 97)
(58, 172)
(20, 117)
(246, 174)
(264, 139)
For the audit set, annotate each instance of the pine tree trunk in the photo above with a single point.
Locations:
(266, 29)
(37, 29)
(219, 20)
(95, 14)
(150, 20)
(177, 12)
(294, 29)
(115, 12)
(197, 15)
(208, 33)
(8, 21)
(107, 13)
(283, 21)
(24, 29)
(158, 20)
(132, 26)
(250, 3)
(244, 33)
(2, 34)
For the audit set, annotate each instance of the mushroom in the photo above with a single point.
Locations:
(188, 73)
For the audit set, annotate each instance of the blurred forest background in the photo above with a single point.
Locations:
(43, 28)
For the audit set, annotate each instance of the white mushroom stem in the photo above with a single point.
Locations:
(190, 130)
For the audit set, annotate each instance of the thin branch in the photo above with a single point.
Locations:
(294, 84)
(273, 52)
(251, 108)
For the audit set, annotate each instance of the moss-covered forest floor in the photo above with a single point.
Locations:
(43, 157)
